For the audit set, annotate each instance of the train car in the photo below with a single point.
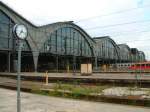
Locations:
(121, 66)
(144, 66)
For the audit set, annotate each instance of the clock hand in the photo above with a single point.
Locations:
(21, 32)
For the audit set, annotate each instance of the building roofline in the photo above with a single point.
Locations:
(16, 13)
(46, 25)
(19, 15)
(101, 37)
(125, 46)
(106, 37)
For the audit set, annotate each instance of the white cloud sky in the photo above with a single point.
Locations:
(41, 12)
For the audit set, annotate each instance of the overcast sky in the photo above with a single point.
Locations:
(125, 21)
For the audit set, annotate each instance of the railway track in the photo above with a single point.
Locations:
(123, 79)
(11, 83)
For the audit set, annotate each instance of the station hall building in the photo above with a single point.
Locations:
(57, 46)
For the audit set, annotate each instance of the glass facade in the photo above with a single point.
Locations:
(7, 41)
(125, 53)
(67, 41)
(6, 25)
(106, 49)
(141, 56)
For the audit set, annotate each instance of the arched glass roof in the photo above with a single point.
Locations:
(102, 47)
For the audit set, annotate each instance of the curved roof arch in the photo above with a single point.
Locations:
(18, 19)
(32, 40)
(125, 52)
(67, 23)
(8, 10)
(141, 52)
(6, 20)
(55, 26)
(111, 41)
(134, 50)
(125, 46)
(142, 55)
(108, 38)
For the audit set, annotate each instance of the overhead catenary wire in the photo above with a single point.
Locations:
(118, 24)
(132, 32)
(137, 40)
(112, 13)
(98, 27)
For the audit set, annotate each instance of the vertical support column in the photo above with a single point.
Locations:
(74, 65)
(46, 79)
(57, 63)
(8, 61)
(96, 68)
(14, 63)
(67, 67)
(80, 63)
(35, 59)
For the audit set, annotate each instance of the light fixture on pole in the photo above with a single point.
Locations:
(20, 31)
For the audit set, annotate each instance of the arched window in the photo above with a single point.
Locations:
(67, 41)
(7, 40)
(6, 25)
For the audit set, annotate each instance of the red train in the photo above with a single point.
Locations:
(144, 66)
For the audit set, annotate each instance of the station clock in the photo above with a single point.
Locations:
(20, 31)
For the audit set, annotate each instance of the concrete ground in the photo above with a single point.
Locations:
(39, 103)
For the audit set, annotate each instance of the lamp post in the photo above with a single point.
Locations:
(20, 31)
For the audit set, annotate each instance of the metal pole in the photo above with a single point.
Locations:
(57, 63)
(74, 57)
(140, 70)
(96, 63)
(19, 77)
(74, 65)
(8, 62)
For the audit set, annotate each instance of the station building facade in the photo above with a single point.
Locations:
(57, 46)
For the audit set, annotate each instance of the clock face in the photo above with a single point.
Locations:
(21, 31)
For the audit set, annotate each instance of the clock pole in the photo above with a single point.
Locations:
(20, 31)
(19, 77)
